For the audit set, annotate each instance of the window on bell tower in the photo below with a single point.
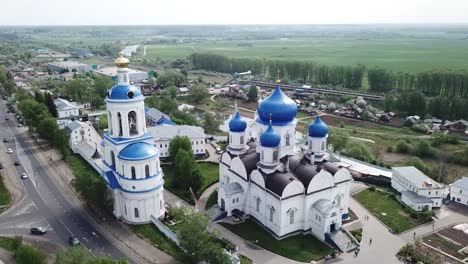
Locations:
(133, 173)
(287, 139)
(119, 119)
(132, 123)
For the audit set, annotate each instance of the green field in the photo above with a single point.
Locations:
(411, 55)
(4, 194)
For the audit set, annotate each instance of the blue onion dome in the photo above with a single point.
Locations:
(270, 138)
(138, 151)
(279, 106)
(318, 128)
(124, 92)
(237, 123)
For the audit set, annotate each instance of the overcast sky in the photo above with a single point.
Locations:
(163, 12)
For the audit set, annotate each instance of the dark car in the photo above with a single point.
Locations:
(6, 118)
(1, 166)
(38, 230)
(17, 163)
(8, 111)
(5, 140)
(73, 241)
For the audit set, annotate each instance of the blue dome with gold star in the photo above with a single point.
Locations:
(279, 106)
(270, 138)
(318, 128)
(237, 123)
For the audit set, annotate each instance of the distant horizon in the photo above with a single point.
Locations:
(194, 25)
(240, 12)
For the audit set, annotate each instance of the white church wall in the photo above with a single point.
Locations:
(293, 188)
(226, 159)
(291, 204)
(238, 167)
(322, 180)
(257, 178)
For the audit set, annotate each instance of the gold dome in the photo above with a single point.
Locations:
(278, 81)
(121, 62)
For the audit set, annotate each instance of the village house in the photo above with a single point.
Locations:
(459, 126)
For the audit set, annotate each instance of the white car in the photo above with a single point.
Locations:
(10, 151)
(24, 175)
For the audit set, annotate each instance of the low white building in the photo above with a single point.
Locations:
(66, 111)
(135, 76)
(416, 188)
(71, 66)
(82, 131)
(164, 133)
(459, 191)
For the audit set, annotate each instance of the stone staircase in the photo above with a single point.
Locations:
(342, 240)
(215, 213)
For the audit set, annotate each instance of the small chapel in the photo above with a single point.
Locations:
(286, 188)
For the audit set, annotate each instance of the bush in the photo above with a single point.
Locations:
(359, 151)
(372, 188)
(389, 148)
(28, 255)
(423, 149)
(420, 165)
(402, 147)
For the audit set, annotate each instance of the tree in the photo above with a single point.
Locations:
(184, 72)
(420, 165)
(103, 123)
(26, 254)
(402, 147)
(253, 93)
(198, 93)
(101, 85)
(338, 140)
(47, 128)
(49, 102)
(171, 92)
(380, 79)
(211, 123)
(39, 96)
(79, 255)
(78, 89)
(423, 149)
(179, 143)
(199, 244)
(184, 164)
(359, 151)
(169, 78)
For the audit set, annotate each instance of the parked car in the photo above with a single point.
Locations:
(8, 111)
(1, 166)
(6, 118)
(24, 175)
(5, 140)
(73, 241)
(20, 125)
(38, 230)
(17, 163)
(9, 151)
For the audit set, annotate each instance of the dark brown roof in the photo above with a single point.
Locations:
(250, 162)
(330, 167)
(303, 170)
(277, 181)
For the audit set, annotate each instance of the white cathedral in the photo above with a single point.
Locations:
(286, 189)
(132, 167)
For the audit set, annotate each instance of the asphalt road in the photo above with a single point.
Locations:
(44, 203)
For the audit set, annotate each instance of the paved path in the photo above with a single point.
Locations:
(201, 203)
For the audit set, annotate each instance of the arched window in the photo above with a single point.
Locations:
(119, 120)
(230, 139)
(112, 158)
(291, 217)
(147, 174)
(228, 180)
(275, 156)
(137, 214)
(132, 123)
(261, 155)
(258, 204)
(109, 121)
(310, 144)
(125, 207)
(133, 173)
(272, 212)
(287, 139)
(242, 140)
(323, 145)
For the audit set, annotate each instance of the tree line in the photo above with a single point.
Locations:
(302, 71)
(431, 83)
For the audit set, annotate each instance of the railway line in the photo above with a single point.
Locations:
(328, 92)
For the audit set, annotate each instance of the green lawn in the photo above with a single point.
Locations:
(4, 194)
(159, 240)
(303, 248)
(389, 211)
(212, 200)
(6, 243)
(210, 175)
(397, 54)
(245, 260)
